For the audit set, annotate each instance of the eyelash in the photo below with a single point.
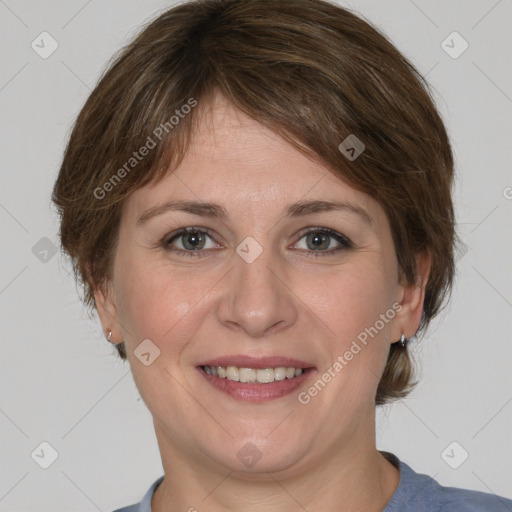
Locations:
(341, 239)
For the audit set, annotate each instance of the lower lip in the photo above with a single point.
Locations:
(254, 391)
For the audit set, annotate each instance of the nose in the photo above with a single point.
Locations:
(256, 298)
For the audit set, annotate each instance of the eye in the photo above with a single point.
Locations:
(190, 241)
(195, 242)
(318, 240)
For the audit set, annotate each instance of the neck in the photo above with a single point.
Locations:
(350, 478)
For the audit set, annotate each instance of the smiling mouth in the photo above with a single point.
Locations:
(254, 375)
(255, 385)
(256, 379)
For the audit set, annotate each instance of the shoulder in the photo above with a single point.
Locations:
(466, 500)
(145, 504)
(130, 508)
(421, 493)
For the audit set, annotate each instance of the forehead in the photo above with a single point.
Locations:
(236, 161)
(228, 137)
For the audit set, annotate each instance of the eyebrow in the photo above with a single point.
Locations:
(298, 209)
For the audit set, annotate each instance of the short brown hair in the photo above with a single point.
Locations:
(309, 70)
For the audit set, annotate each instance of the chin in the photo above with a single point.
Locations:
(253, 457)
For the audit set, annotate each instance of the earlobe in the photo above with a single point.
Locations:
(107, 311)
(412, 297)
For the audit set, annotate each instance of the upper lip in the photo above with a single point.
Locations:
(242, 361)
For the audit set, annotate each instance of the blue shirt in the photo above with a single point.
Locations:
(415, 493)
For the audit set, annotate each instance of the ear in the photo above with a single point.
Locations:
(107, 311)
(411, 298)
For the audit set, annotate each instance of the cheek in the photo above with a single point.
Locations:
(350, 299)
(154, 300)
(351, 304)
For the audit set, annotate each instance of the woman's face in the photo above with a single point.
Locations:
(253, 289)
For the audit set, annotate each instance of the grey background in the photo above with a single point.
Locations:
(59, 379)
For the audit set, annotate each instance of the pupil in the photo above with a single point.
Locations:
(194, 239)
(318, 239)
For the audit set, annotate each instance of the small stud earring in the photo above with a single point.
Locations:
(403, 340)
(109, 336)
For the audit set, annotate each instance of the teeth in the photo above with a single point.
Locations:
(261, 375)
(231, 373)
(265, 375)
(280, 373)
(247, 375)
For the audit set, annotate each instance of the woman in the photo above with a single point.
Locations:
(257, 200)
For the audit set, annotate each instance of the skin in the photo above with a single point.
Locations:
(320, 456)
